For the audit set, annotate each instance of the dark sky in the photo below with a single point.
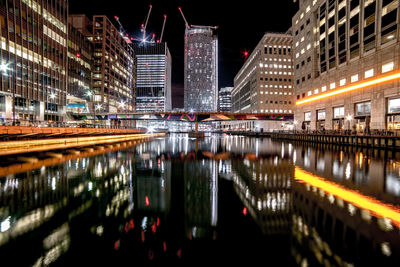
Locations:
(241, 26)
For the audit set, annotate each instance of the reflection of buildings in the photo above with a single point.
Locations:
(200, 197)
(339, 226)
(265, 188)
(354, 169)
(153, 185)
(48, 208)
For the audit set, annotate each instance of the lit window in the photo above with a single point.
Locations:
(369, 73)
(332, 86)
(342, 82)
(309, 93)
(323, 88)
(354, 78)
(387, 67)
(316, 91)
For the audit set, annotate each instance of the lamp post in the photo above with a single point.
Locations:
(349, 118)
(90, 94)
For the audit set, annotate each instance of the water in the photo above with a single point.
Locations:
(223, 199)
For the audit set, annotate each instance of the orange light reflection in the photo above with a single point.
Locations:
(376, 207)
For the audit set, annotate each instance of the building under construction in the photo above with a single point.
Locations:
(201, 68)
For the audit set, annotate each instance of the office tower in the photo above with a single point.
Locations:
(265, 82)
(80, 60)
(153, 81)
(113, 69)
(346, 58)
(33, 60)
(201, 69)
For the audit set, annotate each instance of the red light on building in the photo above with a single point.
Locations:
(78, 55)
(147, 201)
(244, 211)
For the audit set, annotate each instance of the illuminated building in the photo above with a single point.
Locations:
(80, 56)
(33, 60)
(346, 65)
(153, 82)
(225, 99)
(114, 74)
(201, 69)
(264, 84)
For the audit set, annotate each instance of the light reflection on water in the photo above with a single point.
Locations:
(230, 199)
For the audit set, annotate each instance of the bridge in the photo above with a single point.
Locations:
(198, 116)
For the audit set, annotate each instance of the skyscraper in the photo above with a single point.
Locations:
(153, 82)
(225, 99)
(201, 69)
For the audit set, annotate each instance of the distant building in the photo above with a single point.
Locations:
(225, 99)
(201, 69)
(265, 82)
(153, 82)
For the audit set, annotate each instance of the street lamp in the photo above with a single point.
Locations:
(90, 94)
(349, 118)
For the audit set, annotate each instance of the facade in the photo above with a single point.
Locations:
(33, 58)
(153, 81)
(225, 99)
(80, 60)
(265, 82)
(113, 68)
(346, 55)
(201, 69)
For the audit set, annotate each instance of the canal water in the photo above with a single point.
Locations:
(222, 199)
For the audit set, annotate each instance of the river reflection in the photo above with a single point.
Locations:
(225, 199)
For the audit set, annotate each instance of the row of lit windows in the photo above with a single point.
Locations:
(354, 78)
(275, 66)
(276, 93)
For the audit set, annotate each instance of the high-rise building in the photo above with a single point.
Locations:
(201, 69)
(346, 59)
(33, 60)
(225, 99)
(153, 81)
(113, 68)
(265, 82)
(80, 60)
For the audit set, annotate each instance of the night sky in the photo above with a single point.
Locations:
(241, 26)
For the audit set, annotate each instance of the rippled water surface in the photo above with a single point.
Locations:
(222, 199)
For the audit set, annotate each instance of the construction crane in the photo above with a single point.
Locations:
(144, 25)
(183, 16)
(122, 31)
(162, 31)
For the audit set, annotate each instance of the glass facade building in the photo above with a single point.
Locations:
(201, 69)
(153, 82)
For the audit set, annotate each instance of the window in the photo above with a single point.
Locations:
(323, 88)
(369, 73)
(363, 109)
(338, 112)
(332, 86)
(307, 116)
(388, 67)
(354, 78)
(394, 105)
(321, 114)
(342, 82)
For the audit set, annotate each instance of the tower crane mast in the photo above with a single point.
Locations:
(163, 27)
(144, 25)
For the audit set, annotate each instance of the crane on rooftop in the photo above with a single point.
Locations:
(183, 16)
(144, 25)
(162, 31)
